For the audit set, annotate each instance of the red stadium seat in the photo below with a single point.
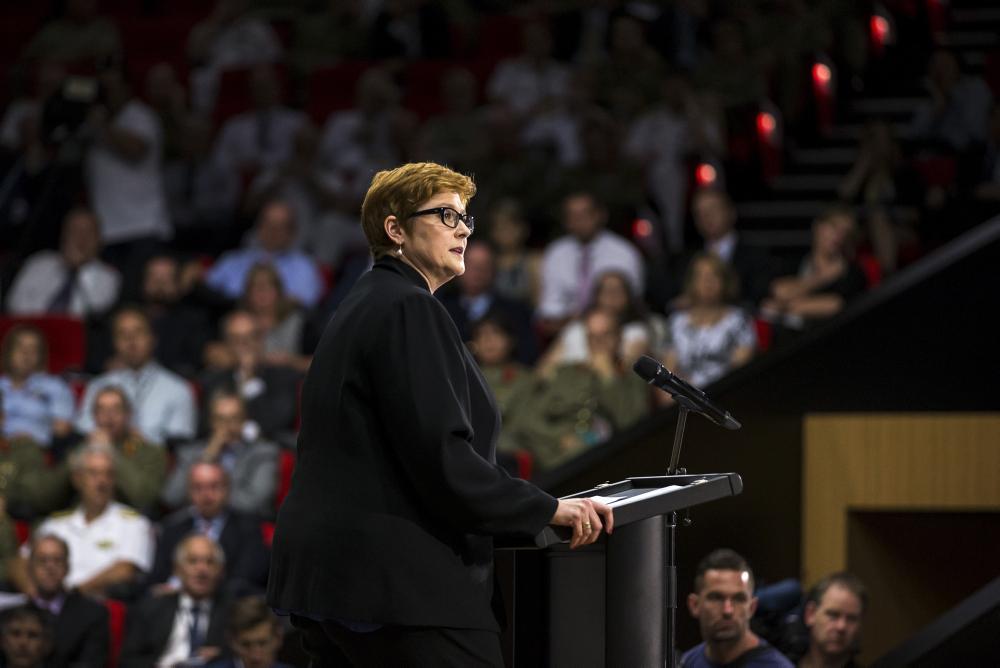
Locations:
(65, 335)
(332, 88)
(22, 530)
(234, 97)
(764, 334)
(267, 532)
(525, 464)
(116, 624)
(286, 466)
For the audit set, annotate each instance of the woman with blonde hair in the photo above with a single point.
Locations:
(383, 547)
(710, 337)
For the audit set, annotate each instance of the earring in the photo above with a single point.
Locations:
(399, 251)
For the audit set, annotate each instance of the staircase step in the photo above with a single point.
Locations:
(968, 38)
(976, 15)
(886, 105)
(796, 181)
(775, 210)
(824, 157)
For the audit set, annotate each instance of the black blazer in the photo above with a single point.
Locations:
(148, 625)
(81, 634)
(396, 492)
(241, 541)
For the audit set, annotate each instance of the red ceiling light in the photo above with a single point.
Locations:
(880, 29)
(641, 228)
(705, 175)
(766, 124)
(821, 74)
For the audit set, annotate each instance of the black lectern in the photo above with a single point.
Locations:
(611, 603)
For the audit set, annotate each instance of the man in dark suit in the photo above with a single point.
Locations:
(475, 298)
(188, 625)
(715, 219)
(271, 392)
(81, 624)
(238, 534)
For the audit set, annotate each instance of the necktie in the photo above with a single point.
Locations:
(583, 276)
(61, 300)
(195, 635)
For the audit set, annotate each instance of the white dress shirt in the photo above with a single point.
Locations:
(95, 288)
(162, 402)
(562, 292)
(118, 534)
(178, 647)
(128, 196)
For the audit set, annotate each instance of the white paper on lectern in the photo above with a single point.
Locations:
(612, 500)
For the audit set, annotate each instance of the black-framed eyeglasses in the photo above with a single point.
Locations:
(449, 217)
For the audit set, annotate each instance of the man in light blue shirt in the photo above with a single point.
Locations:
(273, 244)
(37, 405)
(163, 403)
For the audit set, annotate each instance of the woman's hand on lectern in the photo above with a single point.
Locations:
(586, 516)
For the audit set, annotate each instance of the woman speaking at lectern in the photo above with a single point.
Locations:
(383, 546)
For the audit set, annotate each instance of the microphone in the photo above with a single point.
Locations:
(686, 395)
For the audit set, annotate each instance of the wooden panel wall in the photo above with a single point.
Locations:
(865, 465)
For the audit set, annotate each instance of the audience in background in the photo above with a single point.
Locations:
(723, 603)
(533, 80)
(279, 320)
(110, 544)
(878, 181)
(72, 281)
(573, 262)
(125, 176)
(660, 140)
(25, 637)
(956, 115)
(140, 466)
(325, 214)
(185, 626)
(373, 135)
(516, 275)
(253, 635)
(238, 365)
(79, 36)
(251, 463)
(578, 405)
(80, 623)
(476, 297)
(162, 403)
(494, 346)
(589, 106)
(612, 293)
(455, 136)
(715, 220)
(261, 138)
(180, 326)
(827, 279)
(210, 514)
(27, 486)
(202, 194)
(37, 406)
(229, 38)
(274, 243)
(710, 336)
(834, 613)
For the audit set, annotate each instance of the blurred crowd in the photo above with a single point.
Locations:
(190, 194)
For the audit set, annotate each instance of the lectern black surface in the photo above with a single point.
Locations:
(605, 604)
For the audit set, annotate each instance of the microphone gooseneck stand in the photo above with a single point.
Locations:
(686, 404)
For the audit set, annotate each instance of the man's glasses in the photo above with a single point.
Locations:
(449, 217)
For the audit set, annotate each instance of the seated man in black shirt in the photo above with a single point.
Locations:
(723, 603)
